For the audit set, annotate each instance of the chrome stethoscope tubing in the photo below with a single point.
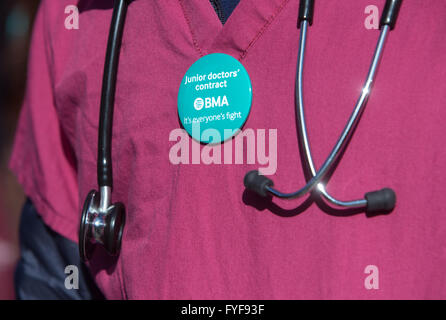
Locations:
(349, 128)
(347, 131)
(381, 201)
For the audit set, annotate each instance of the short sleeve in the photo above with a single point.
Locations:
(41, 157)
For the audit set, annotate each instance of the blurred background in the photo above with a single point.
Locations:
(16, 19)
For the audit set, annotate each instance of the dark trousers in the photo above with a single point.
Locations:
(44, 257)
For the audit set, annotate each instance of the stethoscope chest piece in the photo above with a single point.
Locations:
(100, 226)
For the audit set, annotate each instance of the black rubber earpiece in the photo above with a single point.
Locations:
(380, 202)
(256, 182)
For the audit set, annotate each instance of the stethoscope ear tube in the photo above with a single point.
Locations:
(376, 202)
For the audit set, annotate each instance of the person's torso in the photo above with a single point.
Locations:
(192, 230)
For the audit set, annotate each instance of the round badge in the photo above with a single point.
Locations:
(214, 99)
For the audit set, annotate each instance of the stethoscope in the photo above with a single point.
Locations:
(102, 222)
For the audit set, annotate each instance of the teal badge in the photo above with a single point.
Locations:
(214, 98)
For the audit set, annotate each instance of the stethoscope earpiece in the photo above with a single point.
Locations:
(376, 202)
(258, 183)
(380, 202)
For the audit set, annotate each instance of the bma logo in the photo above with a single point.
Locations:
(207, 103)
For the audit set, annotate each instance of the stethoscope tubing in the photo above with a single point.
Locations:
(352, 123)
(340, 145)
(104, 165)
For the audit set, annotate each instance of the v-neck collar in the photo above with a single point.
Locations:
(246, 24)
